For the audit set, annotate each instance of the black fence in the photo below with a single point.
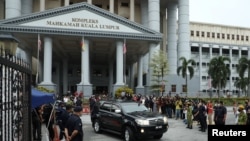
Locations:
(15, 98)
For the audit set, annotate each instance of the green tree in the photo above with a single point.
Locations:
(243, 67)
(241, 83)
(159, 66)
(219, 72)
(185, 68)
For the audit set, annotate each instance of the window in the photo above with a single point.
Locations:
(228, 36)
(173, 88)
(223, 36)
(238, 37)
(213, 34)
(184, 88)
(246, 38)
(192, 33)
(232, 37)
(106, 106)
(242, 38)
(208, 34)
(218, 35)
(114, 107)
(204, 77)
(202, 34)
(197, 33)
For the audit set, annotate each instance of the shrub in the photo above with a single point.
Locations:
(127, 90)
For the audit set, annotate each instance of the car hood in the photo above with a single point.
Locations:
(145, 114)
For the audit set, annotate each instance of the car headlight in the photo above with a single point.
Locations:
(142, 122)
(165, 120)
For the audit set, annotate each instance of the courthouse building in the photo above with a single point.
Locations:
(82, 43)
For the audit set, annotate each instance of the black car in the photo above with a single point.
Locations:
(129, 119)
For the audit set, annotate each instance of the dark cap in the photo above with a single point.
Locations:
(78, 109)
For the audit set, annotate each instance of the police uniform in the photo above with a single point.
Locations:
(75, 123)
(242, 117)
(189, 116)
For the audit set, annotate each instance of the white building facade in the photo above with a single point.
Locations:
(102, 28)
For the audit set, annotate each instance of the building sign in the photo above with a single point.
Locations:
(82, 20)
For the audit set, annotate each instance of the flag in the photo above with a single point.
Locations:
(124, 47)
(39, 43)
(82, 44)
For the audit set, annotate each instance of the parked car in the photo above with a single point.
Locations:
(129, 119)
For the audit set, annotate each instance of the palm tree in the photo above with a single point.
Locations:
(186, 68)
(241, 84)
(219, 72)
(244, 65)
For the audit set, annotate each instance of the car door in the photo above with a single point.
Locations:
(116, 119)
(105, 115)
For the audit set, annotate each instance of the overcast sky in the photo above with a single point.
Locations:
(226, 12)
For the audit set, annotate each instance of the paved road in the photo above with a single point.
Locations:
(177, 131)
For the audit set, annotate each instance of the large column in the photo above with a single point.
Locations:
(119, 66)
(66, 2)
(12, 8)
(47, 68)
(119, 63)
(132, 10)
(85, 86)
(27, 7)
(139, 88)
(111, 6)
(154, 24)
(89, 1)
(183, 29)
(144, 21)
(65, 76)
(154, 15)
(172, 38)
(42, 5)
(47, 60)
(144, 12)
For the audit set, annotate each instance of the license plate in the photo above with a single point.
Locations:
(158, 127)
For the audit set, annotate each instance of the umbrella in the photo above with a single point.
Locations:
(39, 98)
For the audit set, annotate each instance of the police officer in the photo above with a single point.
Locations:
(221, 114)
(189, 116)
(73, 129)
(242, 116)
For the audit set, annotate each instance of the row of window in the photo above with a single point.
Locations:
(204, 64)
(219, 35)
(196, 50)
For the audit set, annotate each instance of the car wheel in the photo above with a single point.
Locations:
(128, 134)
(97, 126)
(158, 136)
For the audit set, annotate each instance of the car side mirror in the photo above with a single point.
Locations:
(117, 111)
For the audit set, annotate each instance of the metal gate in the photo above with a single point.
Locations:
(15, 98)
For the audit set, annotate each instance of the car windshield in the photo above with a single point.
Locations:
(133, 107)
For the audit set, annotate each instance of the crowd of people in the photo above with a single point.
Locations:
(63, 122)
